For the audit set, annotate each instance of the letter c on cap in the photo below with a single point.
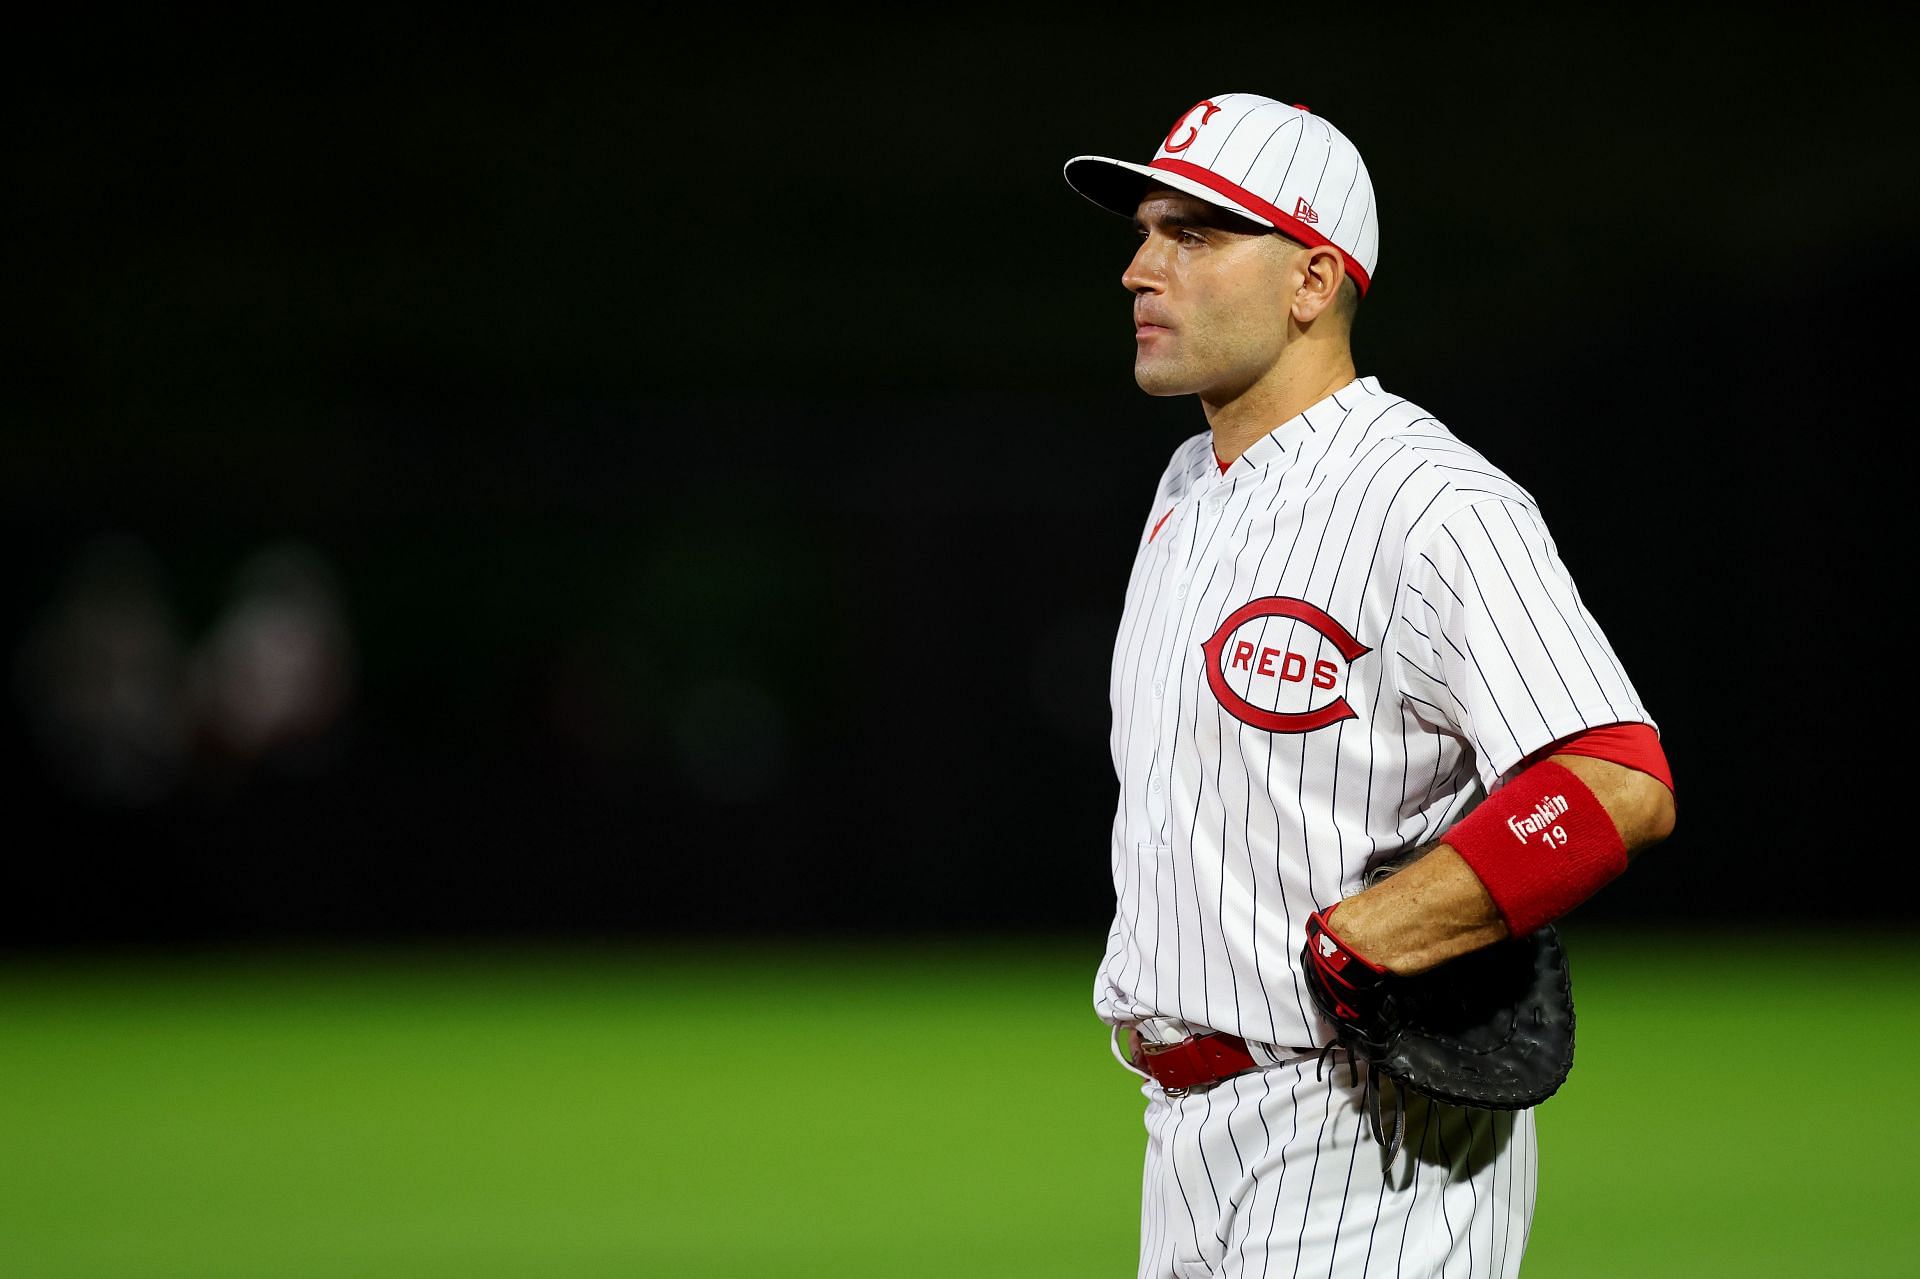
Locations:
(1193, 131)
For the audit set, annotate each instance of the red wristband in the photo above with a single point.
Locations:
(1541, 844)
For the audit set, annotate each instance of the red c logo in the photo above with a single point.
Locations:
(1193, 131)
(1281, 721)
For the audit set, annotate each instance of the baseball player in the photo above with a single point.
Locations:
(1347, 636)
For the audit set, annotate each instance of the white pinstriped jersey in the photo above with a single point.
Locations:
(1328, 654)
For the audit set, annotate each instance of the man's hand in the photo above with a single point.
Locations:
(1493, 1028)
(1346, 986)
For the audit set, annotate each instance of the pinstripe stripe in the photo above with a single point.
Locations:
(1321, 1132)
(1179, 1181)
(1226, 141)
(1354, 1141)
(1346, 205)
(1502, 634)
(1551, 595)
(1246, 174)
(1221, 726)
(1253, 1198)
(1493, 545)
(1406, 1224)
(1287, 172)
(1499, 1259)
(1589, 638)
(1373, 1230)
(1204, 1015)
(1533, 1180)
(1279, 1186)
(1490, 698)
(1446, 1215)
(1326, 131)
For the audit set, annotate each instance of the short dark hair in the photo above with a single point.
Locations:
(1346, 303)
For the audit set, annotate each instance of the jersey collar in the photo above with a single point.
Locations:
(1281, 443)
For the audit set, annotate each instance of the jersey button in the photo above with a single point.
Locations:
(1159, 687)
(1153, 784)
(1180, 591)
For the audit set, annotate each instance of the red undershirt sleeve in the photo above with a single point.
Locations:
(1635, 746)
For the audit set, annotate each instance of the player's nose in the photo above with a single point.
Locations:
(1144, 274)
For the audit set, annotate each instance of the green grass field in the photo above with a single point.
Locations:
(1737, 1108)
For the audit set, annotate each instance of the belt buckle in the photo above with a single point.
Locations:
(1143, 1046)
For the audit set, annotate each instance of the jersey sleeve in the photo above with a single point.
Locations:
(1495, 644)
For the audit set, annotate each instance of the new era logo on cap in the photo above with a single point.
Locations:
(1276, 163)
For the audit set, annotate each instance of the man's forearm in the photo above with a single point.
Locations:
(1436, 908)
(1427, 913)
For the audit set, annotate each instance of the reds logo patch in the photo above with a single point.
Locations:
(1244, 668)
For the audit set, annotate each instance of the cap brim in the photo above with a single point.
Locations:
(1118, 186)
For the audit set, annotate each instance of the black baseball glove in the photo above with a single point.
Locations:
(1492, 1028)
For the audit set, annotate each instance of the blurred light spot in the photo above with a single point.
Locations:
(99, 677)
(277, 669)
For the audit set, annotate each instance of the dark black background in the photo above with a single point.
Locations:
(723, 434)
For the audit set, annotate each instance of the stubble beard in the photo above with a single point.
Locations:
(1201, 365)
(1162, 375)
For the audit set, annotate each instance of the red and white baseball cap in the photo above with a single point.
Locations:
(1280, 165)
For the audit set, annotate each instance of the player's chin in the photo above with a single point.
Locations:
(1161, 377)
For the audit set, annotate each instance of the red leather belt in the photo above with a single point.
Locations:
(1192, 1063)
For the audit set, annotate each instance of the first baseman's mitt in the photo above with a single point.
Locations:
(1492, 1028)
